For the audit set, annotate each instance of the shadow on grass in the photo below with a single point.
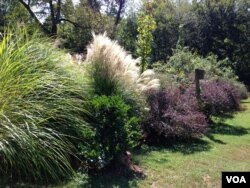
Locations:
(225, 129)
(186, 147)
(198, 145)
(190, 147)
(110, 180)
(114, 179)
(212, 138)
(223, 117)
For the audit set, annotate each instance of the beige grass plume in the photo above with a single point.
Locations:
(119, 65)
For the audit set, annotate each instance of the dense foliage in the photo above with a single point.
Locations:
(41, 110)
(173, 115)
(127, 32)
(218, 97)
(116, 112)
(116, 128)
(218, 27)
(182, 64)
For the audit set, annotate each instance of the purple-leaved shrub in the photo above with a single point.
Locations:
(218, 97)
(173, 115)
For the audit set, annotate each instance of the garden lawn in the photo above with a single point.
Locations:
(195, 164)
(226, 148)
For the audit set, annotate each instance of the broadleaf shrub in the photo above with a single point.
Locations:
(181, 66)
(240, 88)
(218, 97)
(117, 129)
(173, 115)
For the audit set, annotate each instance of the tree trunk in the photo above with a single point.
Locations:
(119, 12)
(32, 14)
(53, 16)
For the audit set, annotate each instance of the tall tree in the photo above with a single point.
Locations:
(89, 19)
(127, 33)
(115, 8)
(146, 25)
(27, 5)
(221, 27)
(166, 34)
(54, 8)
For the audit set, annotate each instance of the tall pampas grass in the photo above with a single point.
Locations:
(113, 68)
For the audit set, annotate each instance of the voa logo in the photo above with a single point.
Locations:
(236, 179)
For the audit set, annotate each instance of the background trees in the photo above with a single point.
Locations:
(219, 27)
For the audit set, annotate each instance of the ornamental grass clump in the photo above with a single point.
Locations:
(148, 81)
(111, 68)
(41, 110)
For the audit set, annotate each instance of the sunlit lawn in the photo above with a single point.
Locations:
(195, 164)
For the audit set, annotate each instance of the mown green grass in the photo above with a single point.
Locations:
(226, 148)
(195, 164)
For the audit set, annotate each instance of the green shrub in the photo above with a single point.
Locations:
(116, 128)
(183, 62)
(41, 110)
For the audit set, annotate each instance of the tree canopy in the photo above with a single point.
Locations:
(208, 26)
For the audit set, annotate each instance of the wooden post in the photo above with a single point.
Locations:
(199, 74)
